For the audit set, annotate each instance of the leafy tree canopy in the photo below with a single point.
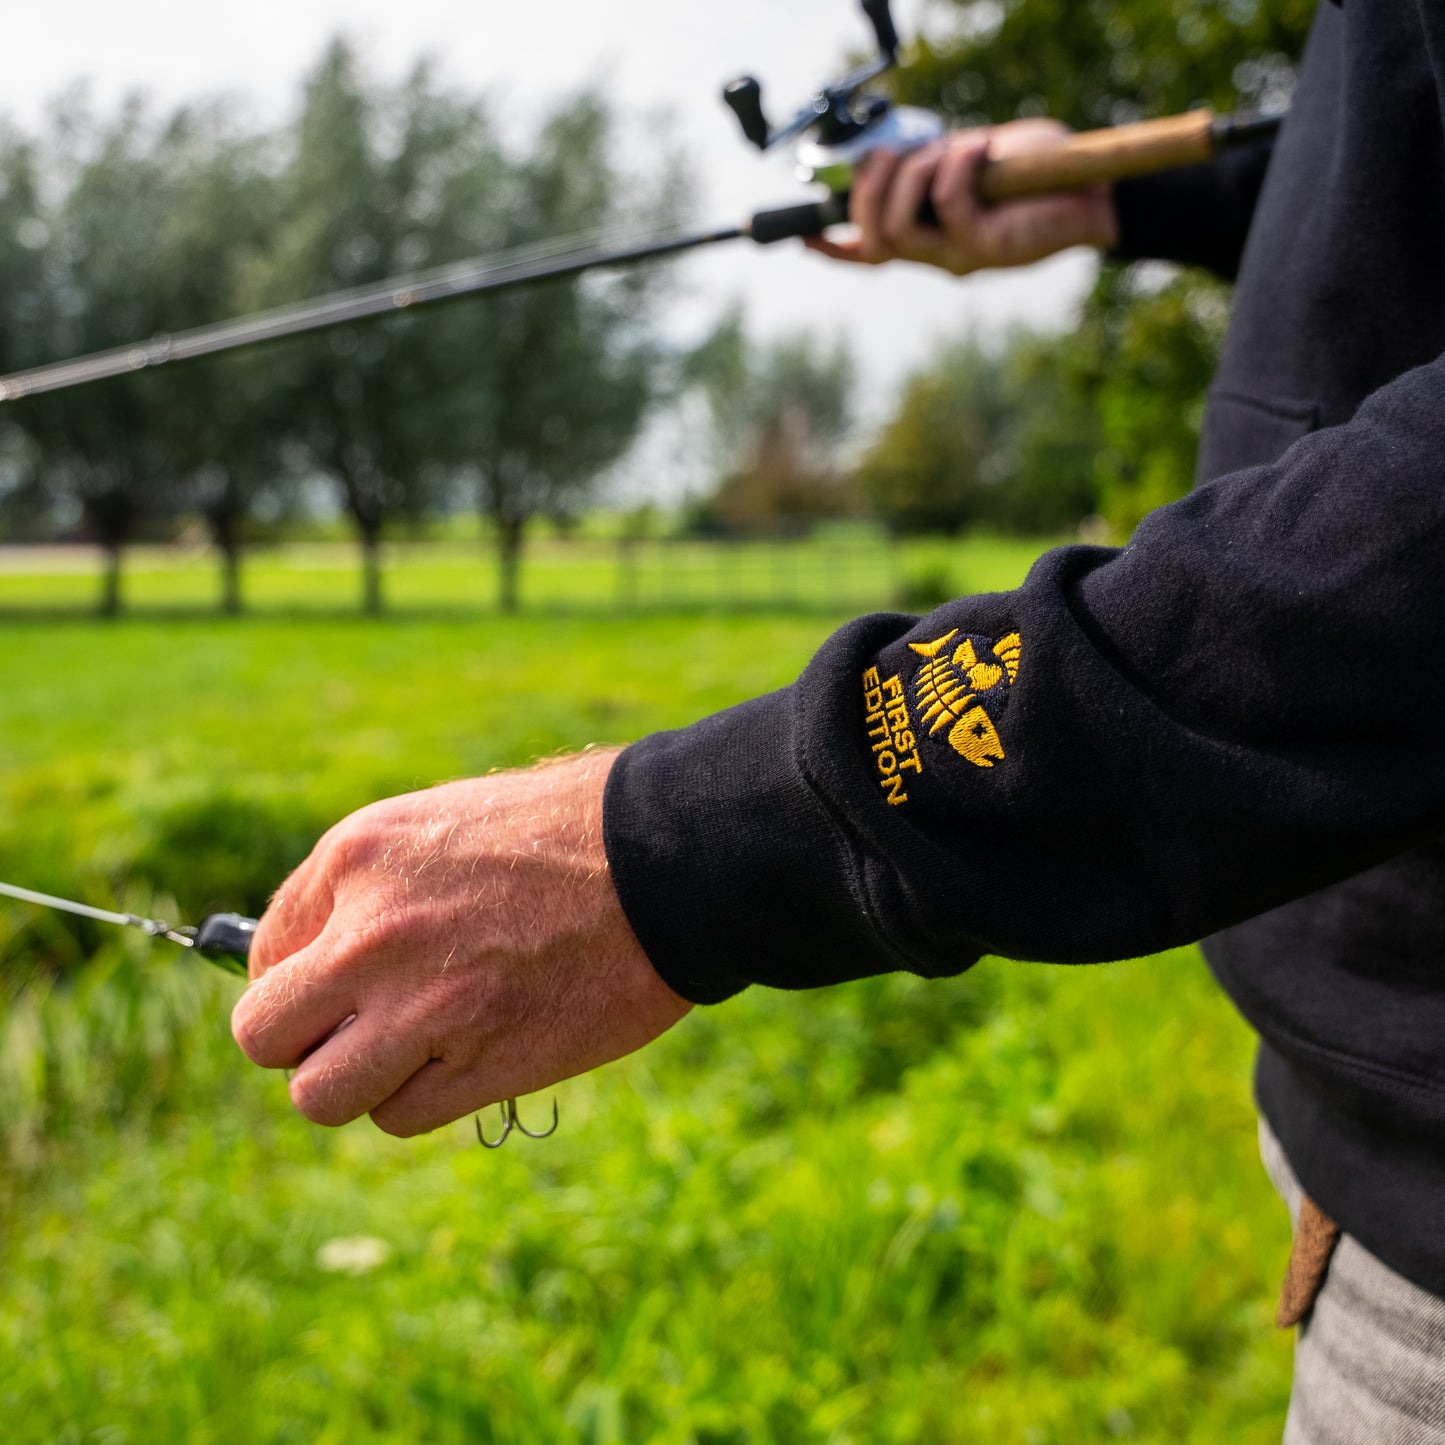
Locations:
(780, 414)
(1101, 62)
(1144, 352)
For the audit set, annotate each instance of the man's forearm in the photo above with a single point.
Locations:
(1198, 216)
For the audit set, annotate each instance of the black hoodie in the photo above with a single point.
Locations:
(1234, 726)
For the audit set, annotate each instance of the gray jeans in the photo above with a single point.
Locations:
(1369, 1362)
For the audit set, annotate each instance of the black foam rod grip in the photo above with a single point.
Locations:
(226, 933)
(810, 219)
(881, 17)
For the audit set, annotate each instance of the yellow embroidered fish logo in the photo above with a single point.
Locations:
(948, 688)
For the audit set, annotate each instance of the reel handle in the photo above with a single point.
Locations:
(744, 97)
(881, 18)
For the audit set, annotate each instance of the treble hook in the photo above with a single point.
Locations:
(511, 1120)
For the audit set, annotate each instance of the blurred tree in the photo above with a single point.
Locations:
(985, 437)
(127, 228)
(1144, 354)
(150, 224)
(1143, 357)
(1097, 64)
(779, 416)
(559, 377)
(24, 234)
(933, 464)
(101, 284)
(379, 182)
(224, 420)
(1056, 436)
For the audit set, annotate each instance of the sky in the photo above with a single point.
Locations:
(661, 62)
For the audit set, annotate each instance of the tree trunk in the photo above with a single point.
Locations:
(371, 599)
(509, 561)
(110, 582)
(231, 603)
(626, 573)
(226, 535)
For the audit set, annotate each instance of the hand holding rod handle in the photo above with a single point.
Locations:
(1090, 158)
(225, 938)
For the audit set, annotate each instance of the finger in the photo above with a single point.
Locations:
(298, 912)
(838, 250)
(865, 208)
(902, 230)
(508, 1064)
(280, 1018)
(955, 186)
(1029, 230)
(436, 1094)
(359, 1067)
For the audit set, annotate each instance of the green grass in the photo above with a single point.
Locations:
(847, 568)
(1020, 1206)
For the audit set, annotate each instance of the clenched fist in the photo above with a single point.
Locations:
(451, 948)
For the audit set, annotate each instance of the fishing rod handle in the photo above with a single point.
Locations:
(226, 940)
(811, 218)
(1096, 157)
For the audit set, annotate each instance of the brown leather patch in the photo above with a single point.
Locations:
(1315, 1237)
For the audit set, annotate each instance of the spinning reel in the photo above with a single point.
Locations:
(842, 125)
(846, 122)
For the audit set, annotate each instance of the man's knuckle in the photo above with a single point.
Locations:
(391, 923)
(347, 849)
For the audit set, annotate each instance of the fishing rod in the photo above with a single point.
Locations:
(222, 938)
(225, 940)
(838, 129)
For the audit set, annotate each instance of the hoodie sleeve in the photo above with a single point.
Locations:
(1197, 216)
(1134, 749)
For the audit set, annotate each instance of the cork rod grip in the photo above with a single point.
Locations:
(1096, 156)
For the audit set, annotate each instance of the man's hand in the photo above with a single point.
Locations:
(451, 948)
(970, 235)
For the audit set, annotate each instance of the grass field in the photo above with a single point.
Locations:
(845, 569)
(1019, 1206)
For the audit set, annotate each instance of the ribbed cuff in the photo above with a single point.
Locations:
(729, 867)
